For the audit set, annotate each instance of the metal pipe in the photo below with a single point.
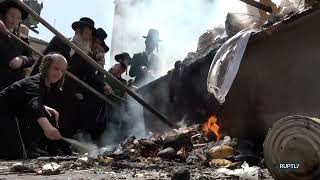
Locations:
(258, 5)
(93, 63)
(69, 74)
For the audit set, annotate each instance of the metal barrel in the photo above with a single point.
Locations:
(292, 148)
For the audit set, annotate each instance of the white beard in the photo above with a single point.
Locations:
(83, 45)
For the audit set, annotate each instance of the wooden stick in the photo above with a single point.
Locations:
(94, 63)
(258, 5)
(69, 74)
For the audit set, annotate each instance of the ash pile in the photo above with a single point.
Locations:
(197, 152)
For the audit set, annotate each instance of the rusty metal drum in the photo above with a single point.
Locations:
(292, 148)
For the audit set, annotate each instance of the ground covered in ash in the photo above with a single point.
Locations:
(72, 169)
(180, 154)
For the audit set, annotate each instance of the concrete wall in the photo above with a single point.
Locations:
(279, 76)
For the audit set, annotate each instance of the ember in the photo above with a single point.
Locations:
(211, 126)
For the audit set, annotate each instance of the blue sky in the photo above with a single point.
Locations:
(62, 13)
(180, 22)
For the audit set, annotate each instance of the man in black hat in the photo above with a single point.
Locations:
(94, 109)
(84, 30)
(116, 123)
(117, 70)
(12, 14)
(13, 56)
(99, 47)
(145, 65)
(73, 94)
(84, 33)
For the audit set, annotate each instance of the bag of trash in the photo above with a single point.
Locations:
(210, 37)
(288, 7)
(225, 64)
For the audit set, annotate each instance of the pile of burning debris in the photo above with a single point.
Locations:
(192, 152)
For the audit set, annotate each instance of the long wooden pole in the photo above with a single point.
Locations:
(94, 64)
(258, 5)
(69, 74)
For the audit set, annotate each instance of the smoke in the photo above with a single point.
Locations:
(134, 119)
(180, 24)
(84, 147)
(123, 122)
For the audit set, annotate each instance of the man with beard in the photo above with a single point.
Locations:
(74, 95)
(94, 109)
(84, 29)
(145, 65)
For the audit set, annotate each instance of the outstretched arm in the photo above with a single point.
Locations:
(49, 131)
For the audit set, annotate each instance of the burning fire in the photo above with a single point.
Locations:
(211, 126)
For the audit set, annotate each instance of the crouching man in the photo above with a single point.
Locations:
(23, 114)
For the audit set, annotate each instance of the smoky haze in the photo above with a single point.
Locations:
(180, 24)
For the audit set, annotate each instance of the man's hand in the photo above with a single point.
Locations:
(107, 89)
(53, 112)
(50, 132)
(3, 28)
(16, 63)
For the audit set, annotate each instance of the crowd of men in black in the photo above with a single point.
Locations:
(38, 108)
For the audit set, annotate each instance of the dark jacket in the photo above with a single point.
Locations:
(55, 45)
(9, 49)
(84, 71)
(23, 100)
(116, 89)
(77, 65)
(140, 60)
(75, 113)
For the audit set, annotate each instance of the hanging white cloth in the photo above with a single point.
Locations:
(225, 64)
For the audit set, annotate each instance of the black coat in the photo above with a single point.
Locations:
(9, 49)
(77, 65)
(23, 100)
(55, 45)
(91, 111)
(75, 113)
(140, 60)
(84, 71)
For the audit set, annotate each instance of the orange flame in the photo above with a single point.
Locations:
(211, 126)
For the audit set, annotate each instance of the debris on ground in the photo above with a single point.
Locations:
(50, 169)
(21, 168)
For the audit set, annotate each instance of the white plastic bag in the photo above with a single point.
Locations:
(225, 64)
(245, 173)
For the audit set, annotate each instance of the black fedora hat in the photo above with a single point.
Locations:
(122, 57)
(84, 21)
(153, 34)
(4, 6)
(102, 35)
